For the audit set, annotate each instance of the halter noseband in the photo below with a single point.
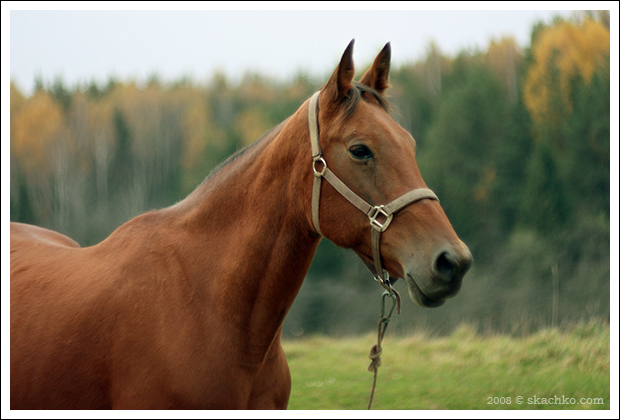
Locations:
(380, 216)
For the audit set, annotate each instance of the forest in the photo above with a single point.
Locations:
(514, 140)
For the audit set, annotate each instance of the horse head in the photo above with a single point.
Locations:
(376, 159)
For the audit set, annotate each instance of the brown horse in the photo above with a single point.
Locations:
(183, 307)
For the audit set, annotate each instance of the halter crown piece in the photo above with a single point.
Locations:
(379, 216)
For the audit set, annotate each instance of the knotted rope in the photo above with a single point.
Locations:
(376, 350)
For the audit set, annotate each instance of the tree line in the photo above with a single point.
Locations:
(515, 142)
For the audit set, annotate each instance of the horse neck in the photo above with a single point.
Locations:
(249, 229)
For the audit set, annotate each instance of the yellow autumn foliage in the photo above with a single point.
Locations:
(17, 99)
(251, 124)
(560, 53)
(35, 127)
(193, 124)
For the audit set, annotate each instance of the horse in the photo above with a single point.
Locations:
(182, 307)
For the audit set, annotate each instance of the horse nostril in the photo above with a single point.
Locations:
(451, 265)
(445, 266)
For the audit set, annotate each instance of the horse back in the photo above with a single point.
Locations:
(22, 234)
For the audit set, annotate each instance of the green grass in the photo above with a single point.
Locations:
(463, 371)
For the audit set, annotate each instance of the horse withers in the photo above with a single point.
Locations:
(183, 307)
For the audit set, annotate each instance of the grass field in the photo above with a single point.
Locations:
(552, 369)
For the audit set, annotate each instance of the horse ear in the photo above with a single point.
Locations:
(378, 74)
(341, 80)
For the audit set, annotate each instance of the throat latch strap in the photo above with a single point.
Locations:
(379, 216)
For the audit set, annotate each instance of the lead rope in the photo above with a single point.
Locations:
(376, 350)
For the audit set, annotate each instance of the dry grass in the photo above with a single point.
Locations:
(568, 367)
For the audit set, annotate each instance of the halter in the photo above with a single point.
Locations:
(379, 216)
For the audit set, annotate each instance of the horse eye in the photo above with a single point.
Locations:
(361, 152)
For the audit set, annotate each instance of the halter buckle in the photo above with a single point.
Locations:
(376, 223)
(319, 159)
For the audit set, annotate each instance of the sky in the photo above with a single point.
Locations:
(80, 46)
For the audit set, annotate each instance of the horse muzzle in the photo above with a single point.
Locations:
(431, 286)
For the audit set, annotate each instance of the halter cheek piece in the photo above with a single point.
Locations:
(379, 216)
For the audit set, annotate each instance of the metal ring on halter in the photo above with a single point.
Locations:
(319, 159)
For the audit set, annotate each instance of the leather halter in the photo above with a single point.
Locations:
(379, 216)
